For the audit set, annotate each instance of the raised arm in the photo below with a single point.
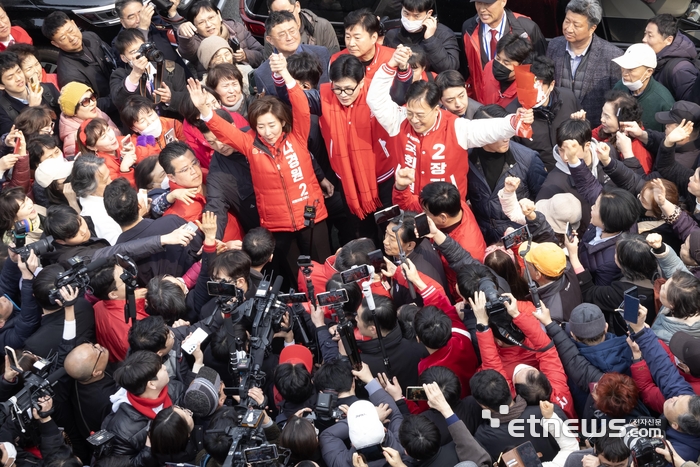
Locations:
(387, 112)
(301, 114)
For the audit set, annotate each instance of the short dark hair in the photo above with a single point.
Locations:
(119, 5)
(121, 202)
(419, 436)
(143, 170)
(591, 340)
(53, 23)
(62, 222)
(613, 448)
(270, 2)
(170, 152)
(222, 71)
(439, 197)
(148, 334)
(346, 66)
(233, 263)
(22, 50)
(102, 280)
(354, 253)
(126, 37)
(259, 244)
(689, 422)
(8, 61)
(31, 120)
(137, 370)
(683, 295)
(514, 47)
(335, 375)
(276, 18)
(448, 381)
(43, 283)
(424, 90)
(363, 17)
(216, 440)
(418, 6)
(293, 382)
(490, 111)
(83, 175)
(450, 79)
(469, 276)
(90, 134)
(299, 436)
(270, 104)
(169, 433)
(406, 315)
(419, 57)
(536, 388)
(165, 299)
(490, 389)
(635, 258)
(619, 210)
(199, 6)
(666, 24)
(132, 108)
(36, 146)
(578, 130)
(407, 232)
(543, 69)
(384, 309)
(305, 67)
(10, 199)
(220, 342)
(433, 327)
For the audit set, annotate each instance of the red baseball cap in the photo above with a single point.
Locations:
(297, 353)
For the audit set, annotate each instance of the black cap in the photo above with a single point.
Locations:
(687, 349)
(681, 110)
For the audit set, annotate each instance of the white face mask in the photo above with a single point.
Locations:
(154, 129)
(411, 26)
(542, 96)
(11, 450)
(634, 85)
(165, 184)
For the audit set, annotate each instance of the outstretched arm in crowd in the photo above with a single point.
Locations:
(669, 262)
(666, 162)
(429, 289)
(389, 114)
(490, 359)
(648, 390)
(29, 316)
(586, 184)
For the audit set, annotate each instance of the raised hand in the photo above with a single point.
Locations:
(478, 305)
(198, 96)
(400, 57)
(623, 143)
(186, 195)
(580, 115)
(526, 115)
(603, 151)
(527, 206)
(511, 184)
(631, 129)
(681, 132)
(404, 176)
(145, 16)
(180, 236)
(187, 30)
(430, 23)
(654, 240)
(208, 225)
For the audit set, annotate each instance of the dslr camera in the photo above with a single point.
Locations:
(499, 320)
(150, 51)
(643, 448)
(39, 247)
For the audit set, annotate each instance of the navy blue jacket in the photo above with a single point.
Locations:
(521, 162)
(671, 384)
(263, 75)
(21, 324)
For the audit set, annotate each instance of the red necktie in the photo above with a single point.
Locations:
(493, 44)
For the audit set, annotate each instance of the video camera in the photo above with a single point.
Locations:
(643, 448)
(76, 276)
(19, 234)
(150, 51)
(249, 445)
(38, 383)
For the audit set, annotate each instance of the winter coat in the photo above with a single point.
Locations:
(441, 49)
(68, 128)
(562, 103)
(655, 98)
(665, 326)
(520, 162)
(10, 107)
(472, 32)
(173, 75)
(263, 74)
(611, 355)
(562, 295)
(670, 167)
(671, 384)
(314, 31)
(24, 322)
(188, 46)
(675, 68)
(600, 76)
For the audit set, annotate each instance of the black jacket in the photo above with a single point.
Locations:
(562, 104)
(562, 295)
(21, 324)
(441, 50)
(11, 107)
(130, 429)
(174, 260)
(48, 337)
(428, 262)
(91, 66)
(173, 75)
(403, 355)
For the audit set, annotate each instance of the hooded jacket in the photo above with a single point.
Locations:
(675, 68)
(611, 355)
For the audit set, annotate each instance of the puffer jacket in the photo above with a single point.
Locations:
(675, 68)
(611, 355)
(131, 428)
(188, 46)
(68, 128)
(520, 162)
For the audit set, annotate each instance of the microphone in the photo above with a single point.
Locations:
(273, 294)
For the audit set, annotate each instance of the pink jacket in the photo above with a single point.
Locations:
(68, 128)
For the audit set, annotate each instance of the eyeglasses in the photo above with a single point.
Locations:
(100, 351)
(188, 168)
(88, 100)
(47, 130)
(346, 91)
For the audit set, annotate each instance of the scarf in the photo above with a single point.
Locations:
(350, 150)
(147, 407)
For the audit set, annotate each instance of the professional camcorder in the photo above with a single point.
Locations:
(76, 276)
(249, 445)
(644, 448)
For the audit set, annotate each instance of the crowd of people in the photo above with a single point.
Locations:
(458, 263)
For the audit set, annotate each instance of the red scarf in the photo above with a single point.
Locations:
(145, 406)
(351, 154)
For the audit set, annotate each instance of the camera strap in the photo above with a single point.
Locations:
(503, 333)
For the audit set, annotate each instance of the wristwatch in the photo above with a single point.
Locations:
(481, 327)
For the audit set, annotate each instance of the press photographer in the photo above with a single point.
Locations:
(19, 323)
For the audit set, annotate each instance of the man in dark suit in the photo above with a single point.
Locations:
(583, 61)
(282, 31)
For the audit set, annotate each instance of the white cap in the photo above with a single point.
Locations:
(637, 55)
(364, 427)
(52, 169)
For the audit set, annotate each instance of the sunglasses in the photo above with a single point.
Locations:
(86, 102)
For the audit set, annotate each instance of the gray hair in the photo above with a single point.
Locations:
(591, 9)
(83, 175)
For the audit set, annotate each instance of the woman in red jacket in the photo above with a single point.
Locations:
(95, 135)
(280, 164)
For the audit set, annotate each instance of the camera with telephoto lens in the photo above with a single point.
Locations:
(151, 52)
(643, 448)
(327, 406)
(39, 247)
(499, 320)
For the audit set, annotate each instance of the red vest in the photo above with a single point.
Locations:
(144, 150)
(436, 155)
(283, 175)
